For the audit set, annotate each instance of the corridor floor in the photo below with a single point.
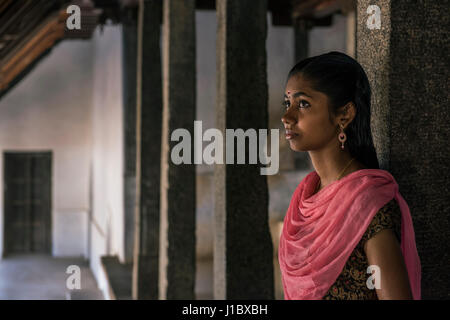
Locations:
(41, 277)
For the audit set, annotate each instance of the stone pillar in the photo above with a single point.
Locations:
(148, 151)
(301, 51)
(243, 250)
(351, 33)
(177, 247)
(407, 61)
(301, 39)
(129, 56)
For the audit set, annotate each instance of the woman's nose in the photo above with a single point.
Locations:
(287, 118)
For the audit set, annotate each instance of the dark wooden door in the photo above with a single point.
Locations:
(27, 202)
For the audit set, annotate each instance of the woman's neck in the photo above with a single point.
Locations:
(330, 162)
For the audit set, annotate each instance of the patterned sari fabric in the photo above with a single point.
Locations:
(352, 282)
(322, 230)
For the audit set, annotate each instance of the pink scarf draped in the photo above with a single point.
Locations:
(320, 231)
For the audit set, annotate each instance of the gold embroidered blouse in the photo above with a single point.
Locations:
(351, 283)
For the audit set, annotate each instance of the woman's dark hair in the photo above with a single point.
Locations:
(342, 79)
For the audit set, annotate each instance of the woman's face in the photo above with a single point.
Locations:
(306, 118)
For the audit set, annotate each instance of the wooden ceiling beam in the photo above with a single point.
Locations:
(42, 39)
(29, 28)
(4, 4)
(318, 9)
(35, 15)
(22, 43)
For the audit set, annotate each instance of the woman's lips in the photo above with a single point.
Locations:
(291, 134)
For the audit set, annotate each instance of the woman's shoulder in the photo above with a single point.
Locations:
(387, 217)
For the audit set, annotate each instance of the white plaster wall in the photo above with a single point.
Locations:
(107, 221)
(49, 110)
(71, 104)
(330, 38)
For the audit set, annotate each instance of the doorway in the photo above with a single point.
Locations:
(27, 202)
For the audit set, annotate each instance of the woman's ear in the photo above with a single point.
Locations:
(346, 114)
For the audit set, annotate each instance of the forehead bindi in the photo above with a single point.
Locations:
(296, 93)
(298, 85)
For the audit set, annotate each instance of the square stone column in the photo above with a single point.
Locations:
(301, 51)
(129, 57)
(148, 151)
(301, 38)
(243, 250)
(177, 247)
(406, 60)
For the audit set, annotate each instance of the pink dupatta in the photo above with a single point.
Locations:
(320, 231)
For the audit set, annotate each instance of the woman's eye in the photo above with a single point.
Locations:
(303, 104)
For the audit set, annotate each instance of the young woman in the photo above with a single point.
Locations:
(348, 214)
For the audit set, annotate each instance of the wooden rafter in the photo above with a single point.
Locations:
(43, 39)
(317, 9)
(29, 28)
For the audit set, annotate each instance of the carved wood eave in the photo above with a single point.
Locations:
(51, 30)
(22, 44)
(318, 9)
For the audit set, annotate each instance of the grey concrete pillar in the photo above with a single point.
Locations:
(243, 250)
(177, 248)
(129, 56)
(407, 62)
(148, 151)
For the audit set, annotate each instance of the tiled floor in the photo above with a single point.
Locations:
(40, 277)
